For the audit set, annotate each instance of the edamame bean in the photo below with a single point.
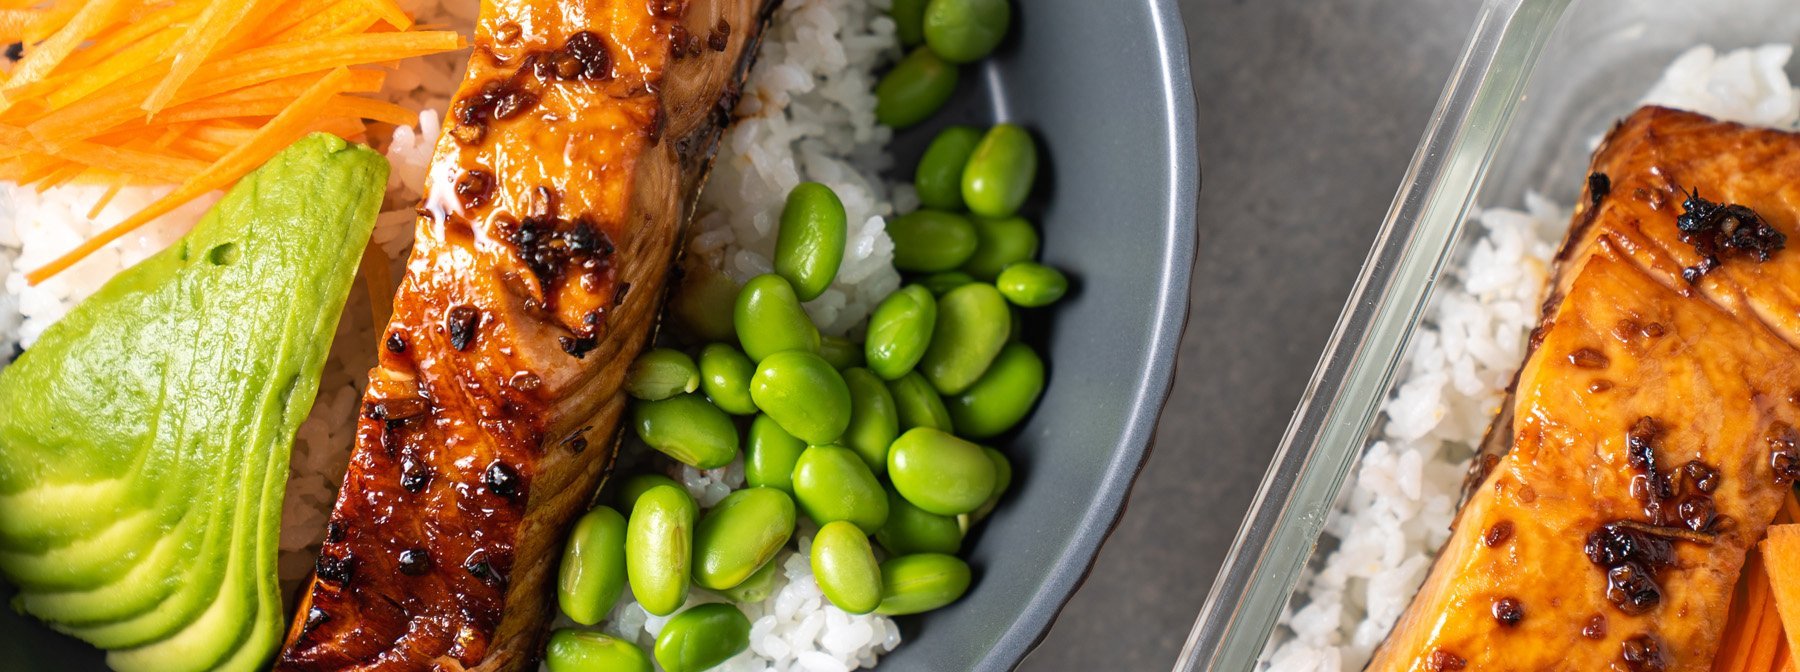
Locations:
(940, 473)
(803, 394)
(740, 535)
(832, 484)
(910, 529)
(909, 21)
(756, 588)
(770, 455)
(941, 283)
(918, 404)
(769, 319)
(702, 303)
(809, 247)
(586, 651)
(1002, 397)
(899, 331)
(915, 584)
(702, 638)
(915, 89)
(725, 377)
(928, 241)
(845, 567)
(1002, 480)
(965, 31)
(592, 575)
(1002, 243)
(661, 373)
(873, 420)
(939, 175)
(1032, 285)
(659, 539)
(633, 488)
(1001, 172)
(973, 323)
(688, 428)
(842, 353)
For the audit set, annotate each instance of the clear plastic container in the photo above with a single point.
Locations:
(1537, 82)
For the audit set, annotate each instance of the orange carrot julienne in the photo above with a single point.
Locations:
(1781, 548)
(214, 24)
(42, 59)
(391, 13)
(281, 131)
(105, 198)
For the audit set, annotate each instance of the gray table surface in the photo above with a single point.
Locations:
(1309, 114)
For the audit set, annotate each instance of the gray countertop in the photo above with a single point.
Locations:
(1309, 113)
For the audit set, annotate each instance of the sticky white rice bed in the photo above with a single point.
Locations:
(807, 114)
(1396, 512)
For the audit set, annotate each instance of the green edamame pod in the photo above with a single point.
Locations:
(874, 423)
(770, 455)
(973, 323)
(915, 89)
(832, 483)
(918, 404)
(910, 529)
(769, 319)
(939, 175)
(725, 377)
(804, 394)
(634, 487)
(940, 473)
(702, 638)
(941, 283)
(900, 331)
(661, 373)
(758, 587)
(688, 428)
(809, 247)
(914, 584)
(965, 31)
(659, 540)
(928, 241)
(1001, 397)
(842, 353)
(586, 651)
(1001, 172)
(702, 303)
(1032, 285)
(909, 21)
(592, 575)
(1001, 243)
(844, 565)
(740, 535)
(1002, 480)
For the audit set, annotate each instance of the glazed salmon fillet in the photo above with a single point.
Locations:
(1650, 437)
(570, 161)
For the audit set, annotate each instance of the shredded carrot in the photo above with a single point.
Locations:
(192, 93)
(391, 13)
(1782, 549)
(280, 132)
(105, 198)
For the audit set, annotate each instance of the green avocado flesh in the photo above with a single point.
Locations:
(144, 439)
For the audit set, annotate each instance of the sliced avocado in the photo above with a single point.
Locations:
(144, 440)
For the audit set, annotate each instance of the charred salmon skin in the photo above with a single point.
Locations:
(1650, 437)
(571, 158)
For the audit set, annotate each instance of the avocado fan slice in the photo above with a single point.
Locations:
(144, 439)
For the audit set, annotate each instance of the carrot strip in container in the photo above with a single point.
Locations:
(280, 132)
(45, 57)
(1782, 548)
(213, 26)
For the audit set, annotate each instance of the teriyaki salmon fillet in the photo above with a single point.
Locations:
(569, 165)
(1651, 434)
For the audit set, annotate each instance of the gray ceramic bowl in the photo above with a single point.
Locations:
(1104, 85)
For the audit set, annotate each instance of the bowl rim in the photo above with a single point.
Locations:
(1179, 122)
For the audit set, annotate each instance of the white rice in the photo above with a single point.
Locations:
(1396, 513)
(807, 114)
